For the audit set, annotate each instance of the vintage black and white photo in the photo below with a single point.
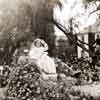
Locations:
(49, 49)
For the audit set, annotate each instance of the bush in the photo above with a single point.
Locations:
(26, 85)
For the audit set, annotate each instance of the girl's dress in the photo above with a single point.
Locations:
(44, 62)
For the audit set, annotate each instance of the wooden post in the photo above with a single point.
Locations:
(91, 40)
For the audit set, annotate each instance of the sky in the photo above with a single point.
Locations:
(75, 9)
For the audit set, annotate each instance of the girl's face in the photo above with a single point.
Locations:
(38, 44)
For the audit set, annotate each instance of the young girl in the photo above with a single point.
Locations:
(38, 54)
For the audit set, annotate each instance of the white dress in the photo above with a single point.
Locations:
(45, 63)
(48, 68)
(35, 53)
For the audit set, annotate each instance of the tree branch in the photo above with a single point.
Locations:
(98, 9)
(69, 35)
(83, 42)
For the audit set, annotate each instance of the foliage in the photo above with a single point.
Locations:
(24, 20)
(26, 83)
